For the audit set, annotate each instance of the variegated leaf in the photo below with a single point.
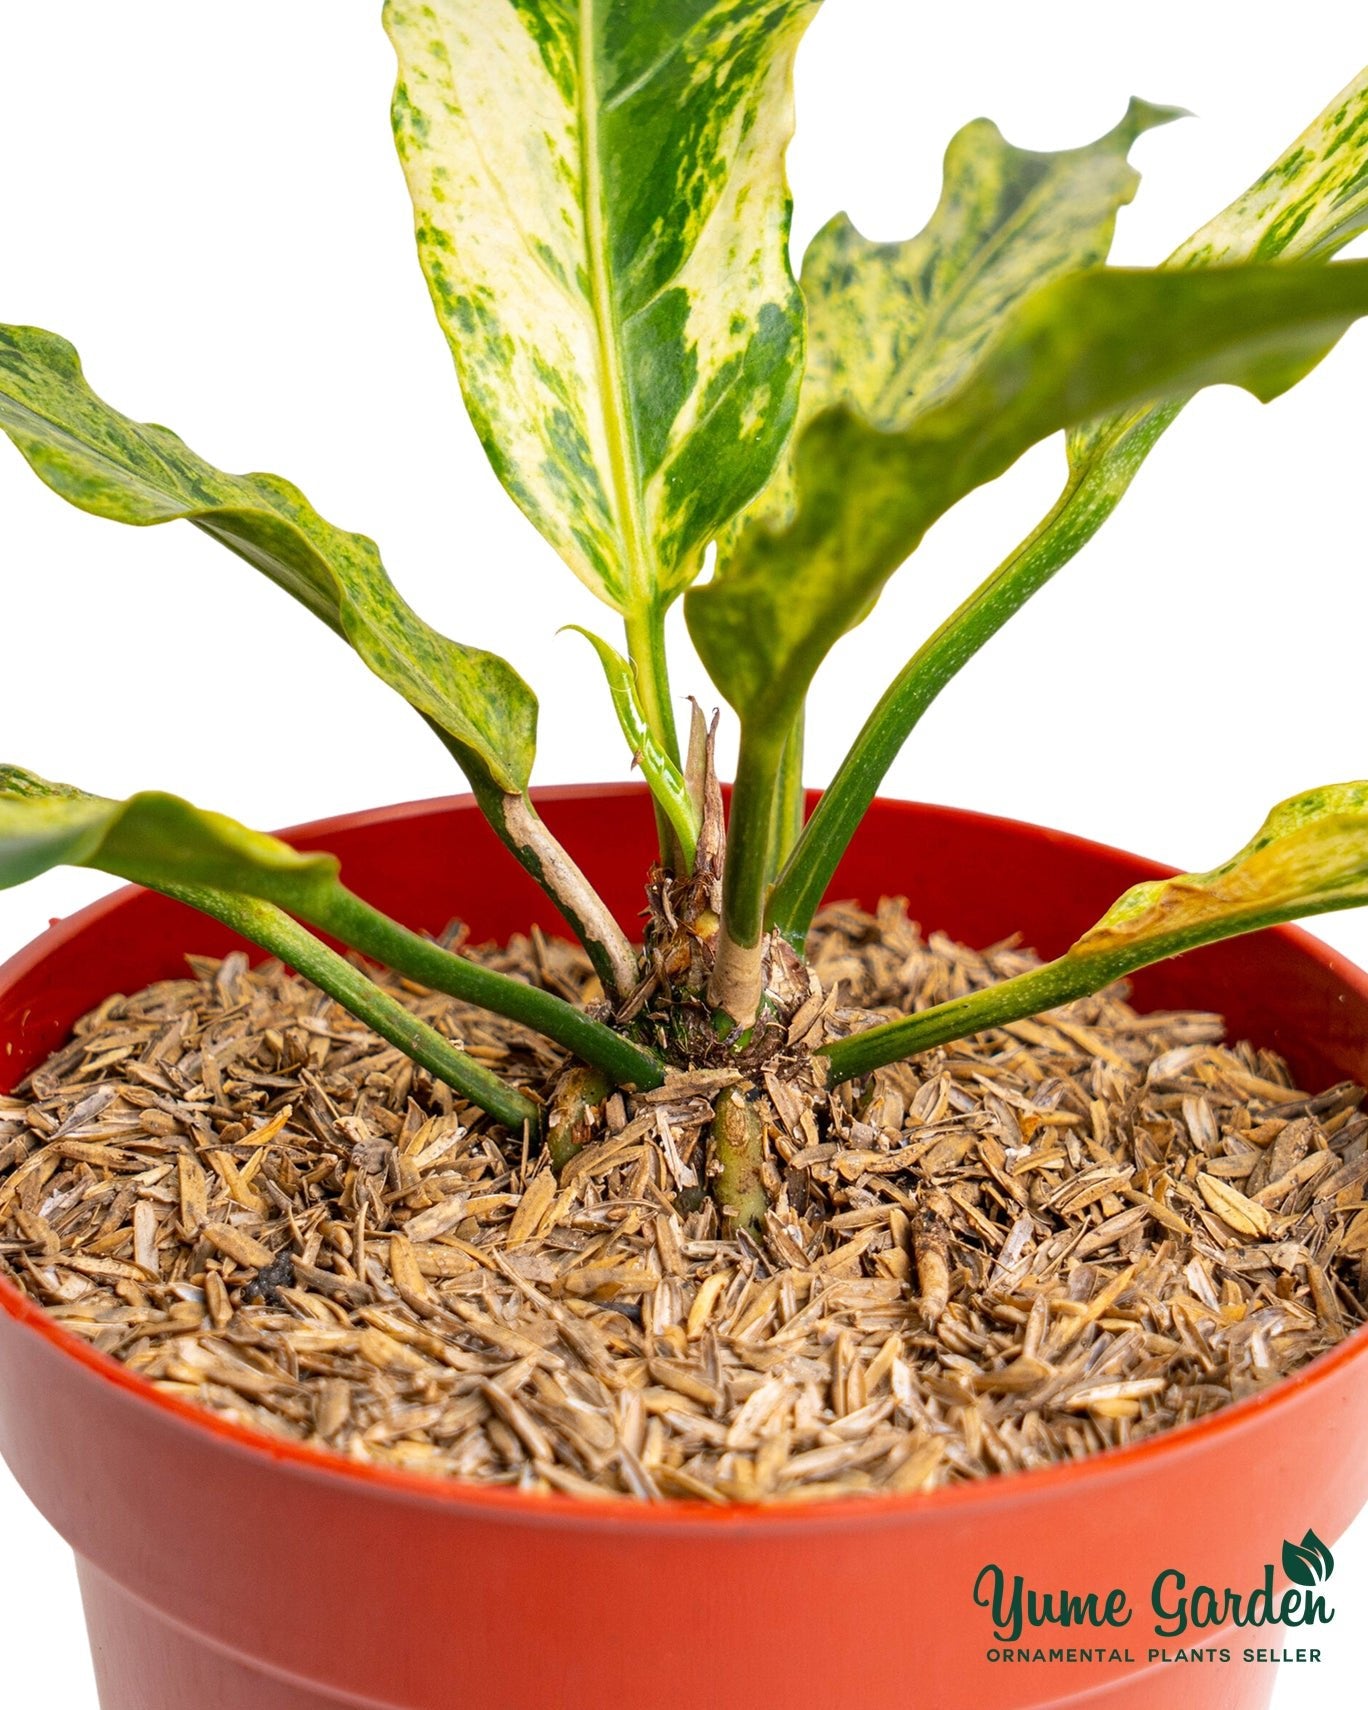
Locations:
(1312, 200)
(151, 839)
(1090, 342)
(892, 326)
(250, 881)
(1309, 857)
(159, 840)
(134, 472)
(1309, 203)
(603, 219)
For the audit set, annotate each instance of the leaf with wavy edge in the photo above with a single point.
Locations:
(1312, 200)
(1072, 349)
(1090, 341)
(1310, 203)
(135, 472)
(1310, 856)
(892, 326)
(132, 472)
(668, 788)
(602, 216)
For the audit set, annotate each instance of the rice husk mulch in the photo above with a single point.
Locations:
(1061, 1236)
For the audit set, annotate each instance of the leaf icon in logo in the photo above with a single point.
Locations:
(1321, 1551)
(1307, 1563)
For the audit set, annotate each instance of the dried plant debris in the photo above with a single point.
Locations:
(1061, 1236)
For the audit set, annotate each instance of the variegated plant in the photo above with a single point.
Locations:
(603, 219)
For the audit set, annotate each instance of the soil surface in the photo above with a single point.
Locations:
(1061, 1236)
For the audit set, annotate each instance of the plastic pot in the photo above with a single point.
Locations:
(223, 1570)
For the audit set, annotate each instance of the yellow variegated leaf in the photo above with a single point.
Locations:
(867, 495)
(789, 585)
(603, 219)
(248, 880)
(1312, 200)
(209, 860)
(152, 839)
(891, 326)
(1309, 203)
(1310, 856)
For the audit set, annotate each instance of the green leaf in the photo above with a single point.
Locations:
(602, 216)
(1090, 342)
(893, 326)
(892, 329)
(161, 841)
(1320, 1551)
(150, 839)
(134, 472)
(1299, 1565)
(243, 878)
(1309, 857)
(666, 781)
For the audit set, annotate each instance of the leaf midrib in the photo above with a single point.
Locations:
(623, 461)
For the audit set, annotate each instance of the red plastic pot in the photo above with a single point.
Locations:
(223, 1570)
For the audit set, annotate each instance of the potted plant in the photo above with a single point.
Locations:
(647, 1155)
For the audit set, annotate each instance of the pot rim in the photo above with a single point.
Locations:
(696, 1516)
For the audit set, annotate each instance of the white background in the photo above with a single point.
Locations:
(203, 197)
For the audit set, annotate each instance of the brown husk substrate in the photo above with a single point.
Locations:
(1058, 1237)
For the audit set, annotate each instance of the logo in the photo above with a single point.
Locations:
(1309, 1562)
(1177, 1608)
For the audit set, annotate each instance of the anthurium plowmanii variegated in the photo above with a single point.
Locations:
(602, 217)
